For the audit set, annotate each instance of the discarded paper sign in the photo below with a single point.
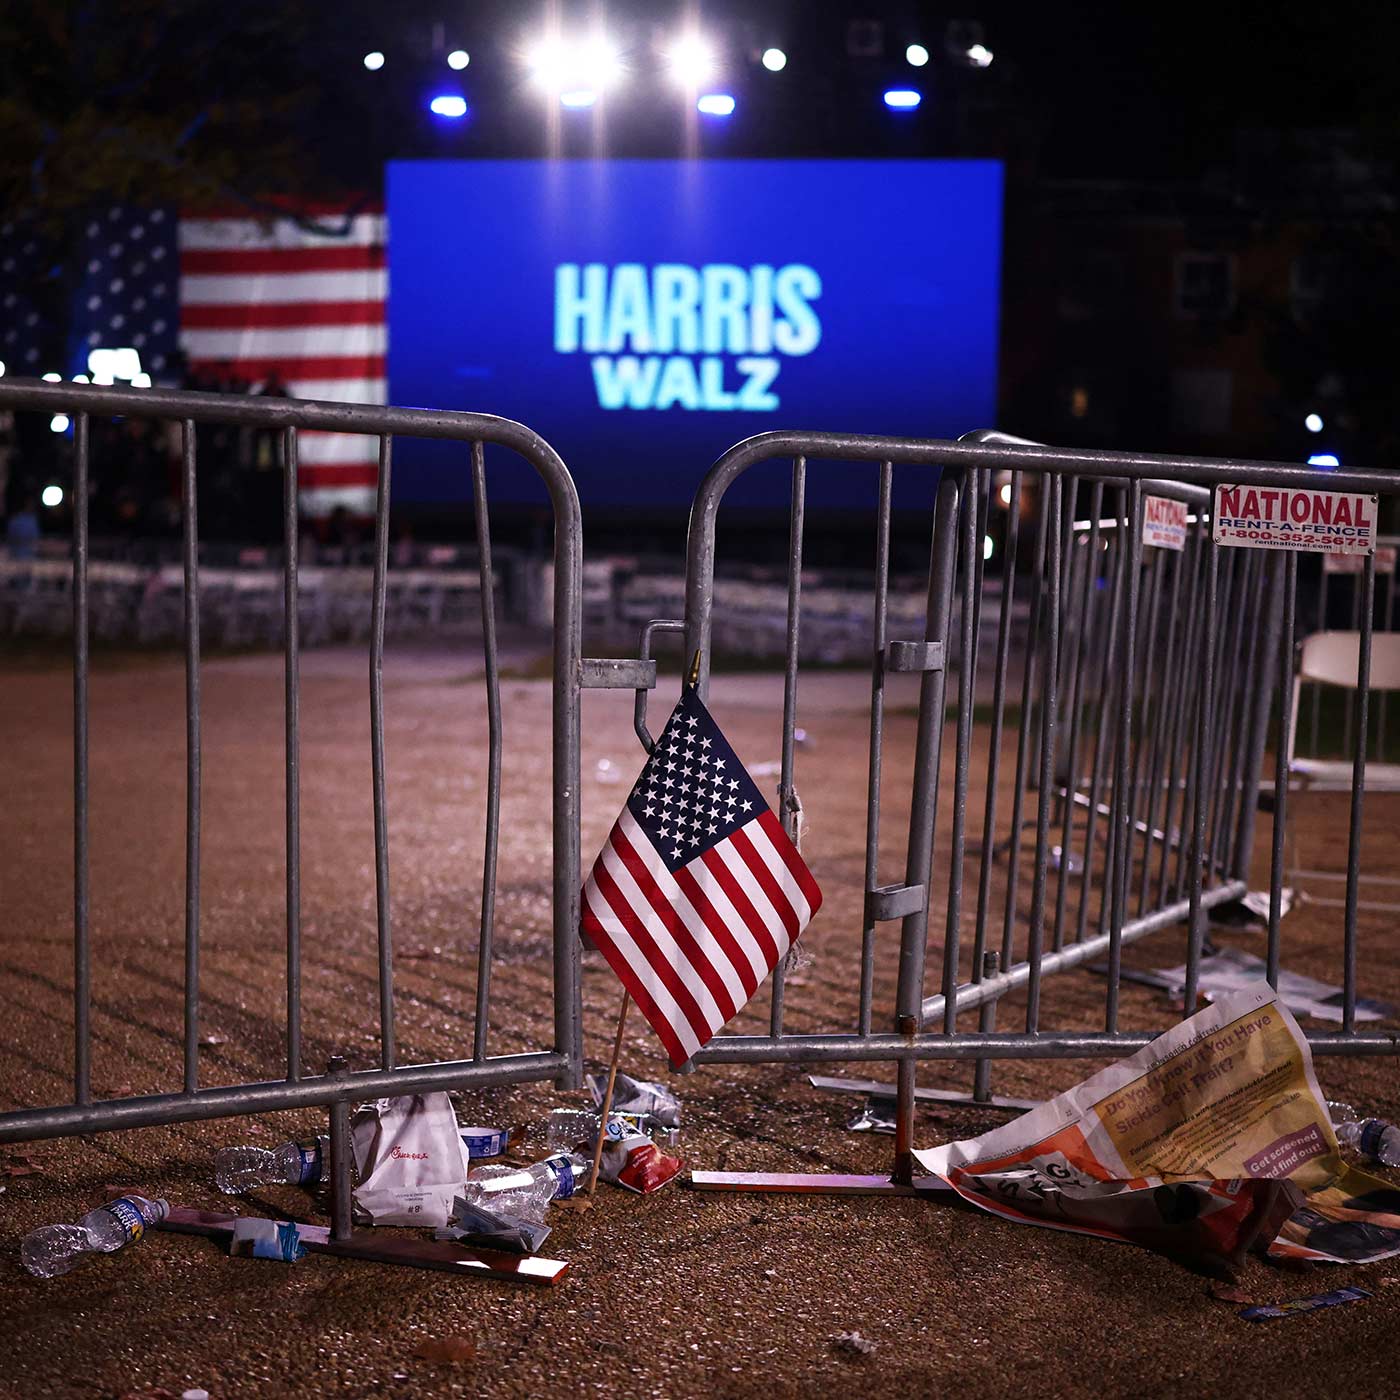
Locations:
(1164, 523)
(1325, 522)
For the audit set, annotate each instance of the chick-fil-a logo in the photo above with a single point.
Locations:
(399, 1155)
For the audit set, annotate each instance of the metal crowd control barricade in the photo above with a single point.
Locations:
(1139, 700)
(336, 1088)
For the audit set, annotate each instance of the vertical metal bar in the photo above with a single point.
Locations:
(1188, 695)
(1285, 727)
(193, 755)
(1168, 700)
(1227, 707)
(1148, 701)
(1236, 849)
(383, 907)
(1123, 801)
(1358, 790)
(1196, 925)
(923, 816)
(1315, 690)
(1384, 697)
(787, 795)
(342, 1223)
(987, 1018)
(1049, 686)
(493, 791)
(82, 950)
(967, 664)
(292, 680)
(1008, 928)
(877, 727)
(1078, 662)
(1023, 738)
(1355, 581)
(1109, 677)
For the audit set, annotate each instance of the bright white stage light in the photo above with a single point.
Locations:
(140, 381)
(53, 495)
(448, 104)
(458, 59)
(575, 73)
(52, 378)
(374, 61)
(81, 379)
(902, 99)
(1313, 422)
(2, 367)
(987, 546)
(578, 98)
(1006, 494)
(774, 60)
(1324, 459)
(980, 56)
(58, 423)
(692, 60)
(716, 104)
(916, 55)
(107, 366)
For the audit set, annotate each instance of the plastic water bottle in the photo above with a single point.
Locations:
(1371, 1137)
(239, 1169)
(55, 1249)
(526, 1191)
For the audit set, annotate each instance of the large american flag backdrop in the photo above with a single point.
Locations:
(240, 295)
(698, 892)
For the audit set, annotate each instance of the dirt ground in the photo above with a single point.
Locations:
(675, 1295)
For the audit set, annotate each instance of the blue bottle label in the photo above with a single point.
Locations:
(128, 1215)
(1372, 1130)
(312, 1165)
(563, 1170)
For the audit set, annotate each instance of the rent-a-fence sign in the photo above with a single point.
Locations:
(1280, 517)
(1164, 522)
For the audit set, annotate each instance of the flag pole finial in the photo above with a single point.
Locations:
(692, 678)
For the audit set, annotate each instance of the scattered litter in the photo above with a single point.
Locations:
(567, 1129)
(1263, 1312)
(493, 1229)
(54, 1249)
(527, 1191)
(240, 1169)
(632, 1160)
(485, 1142)
(410, 1158)
(1232, 969)
(639, 1096)
(1201, 1145)
(16, 1165)
(947, 1096)
(210, 1040)
(266, 1239)
(1371, 1137)
(876, 1116)
(421, 953)
(1251, 911)
(194, 1393)
(445, 1350)
(853, 1344)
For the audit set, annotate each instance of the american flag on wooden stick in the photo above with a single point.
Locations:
(303, 298)
(698, 892)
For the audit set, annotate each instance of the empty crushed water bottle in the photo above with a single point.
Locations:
(1371, 1137)
(239, 1169)
(55, 1249)
(566, 1128)
(526, 1191)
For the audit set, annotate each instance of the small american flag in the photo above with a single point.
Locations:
(698, 892)
(304, 300)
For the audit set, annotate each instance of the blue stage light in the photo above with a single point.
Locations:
(1324, 459)
(902, 99)
(448, 104)
(578, 98)
(716, 104)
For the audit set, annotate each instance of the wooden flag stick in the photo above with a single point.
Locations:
(606, 1105)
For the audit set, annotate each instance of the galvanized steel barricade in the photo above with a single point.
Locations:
(1142, 715)
(336, 1088)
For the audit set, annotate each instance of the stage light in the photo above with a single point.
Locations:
(374, 61)
(692, 60)
(1313, 423)
(53, 495)
(1006, 494)
(107, 366)
(458, 59)
(916, 55)
(987, 546)
(1324, 459)
(58, 423)
(579, 98)
(141, 381)
(576, 74)
(2, 368)
(52, 378)
(774, 60)
(980, 56)
(81, 379)
(448, 104)
(716, 104)
(902, 99)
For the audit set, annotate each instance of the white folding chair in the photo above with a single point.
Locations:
(1334, 659)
